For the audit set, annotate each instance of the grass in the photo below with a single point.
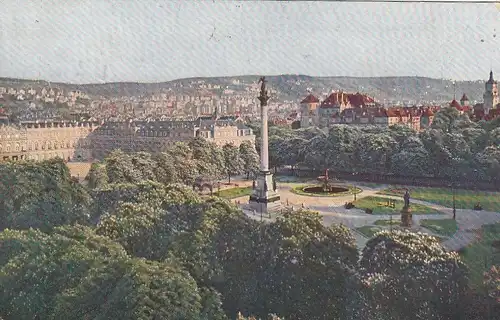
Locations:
(284, 178)
(375, 203)
(464, 199)
(300, 191)
(369, 231)
(234, 192)
(442, 227)
(480, 256)
(386, 223)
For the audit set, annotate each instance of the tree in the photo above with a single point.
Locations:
(120, 168)
(492, 283)
(305, 268)
(210, 159)
(97, 176)
(446, 120)
(233, 161)
(147, 222)
(374, 152)
(93, 278)
(250, 158)
(398, 265)
(41, 195)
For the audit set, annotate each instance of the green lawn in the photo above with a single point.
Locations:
(395, 222)
(442, 227)
(369, 231)
(480, 256)
(299, 190)
(234, 192)
(464, 199)
(377, 204)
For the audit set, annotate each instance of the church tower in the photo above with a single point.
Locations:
(490, 96)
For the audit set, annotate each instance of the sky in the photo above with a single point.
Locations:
(97, 41)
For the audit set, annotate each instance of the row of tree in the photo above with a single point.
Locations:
(149, 250)
(181, 163)
(453, 147)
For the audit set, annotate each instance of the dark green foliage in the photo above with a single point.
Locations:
(75, 274)
(41, 195)
(400, 265)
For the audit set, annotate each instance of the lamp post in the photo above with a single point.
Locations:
(354, 185)
(454, 206)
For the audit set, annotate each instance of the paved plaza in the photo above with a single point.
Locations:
(333, 212)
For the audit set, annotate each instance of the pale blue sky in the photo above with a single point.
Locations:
(150, 41)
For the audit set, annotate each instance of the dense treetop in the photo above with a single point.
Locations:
(137, 242)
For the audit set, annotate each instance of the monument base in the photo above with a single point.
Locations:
(406, 217)
(264, 199)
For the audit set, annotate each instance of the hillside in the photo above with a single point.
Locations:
(289, 87)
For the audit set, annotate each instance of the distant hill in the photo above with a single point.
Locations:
(288, 87)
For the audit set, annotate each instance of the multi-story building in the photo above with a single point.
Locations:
(36, 140)
(84, 141)
(413, 117)
(155, 136)
(314, 113)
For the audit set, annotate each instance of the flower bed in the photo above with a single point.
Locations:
(300, 191)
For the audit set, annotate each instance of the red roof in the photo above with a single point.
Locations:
(456, 105)
(335, 99)
(358, 99)
(310, 99)
(464, 98)
(428, 113)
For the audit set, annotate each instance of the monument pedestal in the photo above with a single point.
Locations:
(406, 217)
(264, 199)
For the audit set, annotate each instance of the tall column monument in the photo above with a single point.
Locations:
(265, 197)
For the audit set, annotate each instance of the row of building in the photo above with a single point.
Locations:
(359, 109)
(86, 141)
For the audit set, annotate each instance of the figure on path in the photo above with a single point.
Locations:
(407, 199)
(253, 185)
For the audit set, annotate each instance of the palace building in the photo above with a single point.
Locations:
(86, 141)
(44, 140)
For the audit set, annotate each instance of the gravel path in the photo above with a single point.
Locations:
(333, 212)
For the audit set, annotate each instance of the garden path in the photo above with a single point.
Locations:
(332, 209)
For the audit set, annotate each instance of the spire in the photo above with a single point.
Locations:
(491, 80)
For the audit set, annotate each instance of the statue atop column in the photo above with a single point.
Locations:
(264, 198)
(263, 97)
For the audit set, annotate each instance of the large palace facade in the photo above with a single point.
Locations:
(86, 141)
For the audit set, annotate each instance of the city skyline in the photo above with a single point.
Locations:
(149, 41)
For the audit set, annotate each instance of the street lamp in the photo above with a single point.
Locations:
(354, 185)
(454, 206)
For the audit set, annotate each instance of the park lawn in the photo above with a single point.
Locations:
(234, 192)
(464, 199)
(387, 223)
(442, 227)
(369, 231)
(480, 256)
(372, 202)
